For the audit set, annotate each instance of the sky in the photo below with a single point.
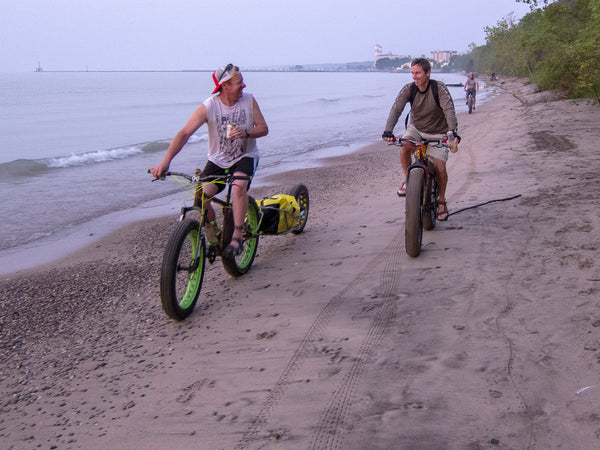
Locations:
(205, 34)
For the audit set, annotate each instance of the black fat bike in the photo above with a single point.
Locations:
(422, 194)
(471, 100)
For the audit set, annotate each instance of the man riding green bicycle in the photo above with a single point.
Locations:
(234, 123)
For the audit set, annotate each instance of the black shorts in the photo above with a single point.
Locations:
(244, 165)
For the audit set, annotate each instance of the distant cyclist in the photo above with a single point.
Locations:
(471, 85)
(432, 116)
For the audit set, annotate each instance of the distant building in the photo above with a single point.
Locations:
(380, 55)
(443, 56)
(39, 68)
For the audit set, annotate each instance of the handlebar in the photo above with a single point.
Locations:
(438, 142)
(201, 179)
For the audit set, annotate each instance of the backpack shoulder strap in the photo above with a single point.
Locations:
(434, 90)
(413, 93)
(411, 99)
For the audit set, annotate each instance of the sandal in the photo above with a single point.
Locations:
(402, 190)
(235, 250)
(442, 211)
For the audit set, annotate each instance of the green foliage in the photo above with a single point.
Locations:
(534, 3)
(460, 62)
(391, 64)
(558, 47)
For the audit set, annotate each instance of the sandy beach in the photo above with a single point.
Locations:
(337, 339)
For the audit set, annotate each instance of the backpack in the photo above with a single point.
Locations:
(413, 93)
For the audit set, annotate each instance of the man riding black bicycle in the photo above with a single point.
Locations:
(432, 116)
(471, 88)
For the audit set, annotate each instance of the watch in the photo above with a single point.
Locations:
(247, 133)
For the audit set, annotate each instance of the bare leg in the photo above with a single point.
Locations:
(441, 176)
(209, 190)
(405, 153)
(240, 205)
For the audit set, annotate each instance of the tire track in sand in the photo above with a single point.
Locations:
(326, 435)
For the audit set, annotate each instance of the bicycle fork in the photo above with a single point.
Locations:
(428, 203)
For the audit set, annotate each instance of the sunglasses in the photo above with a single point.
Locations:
(228, 68)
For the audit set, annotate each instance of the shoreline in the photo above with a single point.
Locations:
(58, 246)
(76, 239)
(336, 338)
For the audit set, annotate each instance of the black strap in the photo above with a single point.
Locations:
(434, 90)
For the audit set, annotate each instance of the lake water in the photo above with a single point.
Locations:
(75, 147)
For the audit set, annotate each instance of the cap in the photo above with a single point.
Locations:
(223, 74)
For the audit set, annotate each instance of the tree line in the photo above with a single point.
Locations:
(556, 46)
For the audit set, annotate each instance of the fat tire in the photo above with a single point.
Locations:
(182, 270)
(430, 207)
(237, 266)
(300, 193)
(413, 225)
(470, 104)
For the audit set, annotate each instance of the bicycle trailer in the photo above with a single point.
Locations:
(279, 214)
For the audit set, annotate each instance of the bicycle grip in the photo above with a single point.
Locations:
(388, 135)
(162, 177)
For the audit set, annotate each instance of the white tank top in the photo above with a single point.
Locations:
(222, 151)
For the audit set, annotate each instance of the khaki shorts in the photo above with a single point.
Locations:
(435, 152)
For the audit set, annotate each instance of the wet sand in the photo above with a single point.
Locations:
(336, 338)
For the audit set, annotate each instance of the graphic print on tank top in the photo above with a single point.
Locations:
(232, 149)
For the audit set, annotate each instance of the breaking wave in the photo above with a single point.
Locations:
(36, 167)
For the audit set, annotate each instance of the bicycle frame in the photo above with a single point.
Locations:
(428, 201)
(420, 155)
(201, 200)
(421, 161)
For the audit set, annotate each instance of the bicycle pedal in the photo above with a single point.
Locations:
(211, 254)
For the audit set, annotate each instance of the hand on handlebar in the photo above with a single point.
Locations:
(159, 171)
(388, 136)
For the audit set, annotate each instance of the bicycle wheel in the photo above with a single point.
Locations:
(182, 270)
(430, 204)
(413, 232)
(300, 193)
(239, 265)
(470, 104)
